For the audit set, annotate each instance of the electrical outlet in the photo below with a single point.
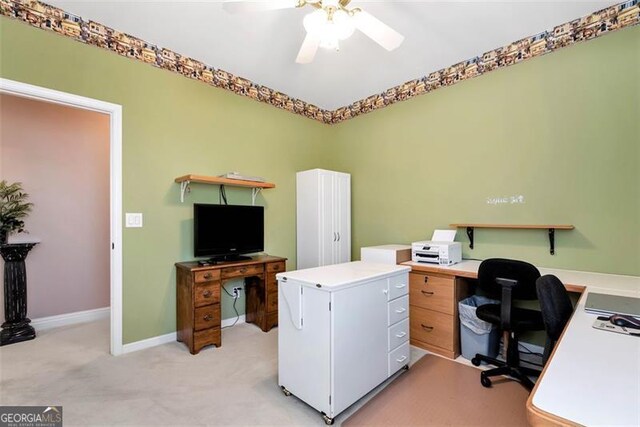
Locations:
(236, 292)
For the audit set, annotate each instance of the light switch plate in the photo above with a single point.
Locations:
(133, 220)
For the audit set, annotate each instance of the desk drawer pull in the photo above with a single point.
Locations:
(243, 270)
(426, 328)
(206, 294)
(401, 334)
(402, 359)
(207, 317)
(426, 279)
(208, 276)
(401, 310)
(401, 286)
(427, 293)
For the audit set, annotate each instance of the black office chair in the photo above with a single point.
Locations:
(508, 280)
(556, 310)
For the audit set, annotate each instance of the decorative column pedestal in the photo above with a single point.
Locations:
(16, 328)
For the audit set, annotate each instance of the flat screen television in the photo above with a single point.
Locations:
(224, 232)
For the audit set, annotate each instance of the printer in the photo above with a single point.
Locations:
(441, 249)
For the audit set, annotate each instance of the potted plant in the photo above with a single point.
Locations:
(14, 207)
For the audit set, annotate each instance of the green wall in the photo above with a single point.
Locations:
(561, 130)
(172, 126)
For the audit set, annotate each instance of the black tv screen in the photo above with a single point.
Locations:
(227, 230)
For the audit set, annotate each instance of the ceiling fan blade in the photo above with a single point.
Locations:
(308, 49)
(377, 30)
(241, 6)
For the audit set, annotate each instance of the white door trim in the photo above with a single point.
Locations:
(115, 142)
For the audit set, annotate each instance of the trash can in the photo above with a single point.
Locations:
(476, 335)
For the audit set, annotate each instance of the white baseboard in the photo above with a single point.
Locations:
(167, 338)
(44, 323)
(149, 342)
(229, 322)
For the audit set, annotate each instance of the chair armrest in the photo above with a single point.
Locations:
(507, 299)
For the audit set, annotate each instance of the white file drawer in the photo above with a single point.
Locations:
(398, 309)
(398, 286)
(399, 358)
(398, 334)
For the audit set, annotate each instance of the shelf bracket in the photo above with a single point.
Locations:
(254, 193)
(184, 188)
(552, 241)
(470, 234)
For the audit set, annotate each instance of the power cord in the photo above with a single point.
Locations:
(234, 307)
(222, 195)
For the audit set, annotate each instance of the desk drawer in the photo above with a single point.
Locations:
(399, 358)
(432, 327)
(432, 292)
(272, 301)
(398, 286)
(272, 283)
(398, 334)
(206, 293)
(249, 270)
(206, 276)
(207, 317)
(398, 310)
(275, 267)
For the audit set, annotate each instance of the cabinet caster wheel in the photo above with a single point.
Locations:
(328, 421)
(405, 367)
(475, 361)
(285, 391)
(485, 381)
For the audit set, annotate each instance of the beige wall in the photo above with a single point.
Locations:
(61, 155)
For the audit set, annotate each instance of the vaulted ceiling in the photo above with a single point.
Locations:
(262, 46)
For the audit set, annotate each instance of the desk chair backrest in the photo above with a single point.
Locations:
(556, 308)
(523, 273)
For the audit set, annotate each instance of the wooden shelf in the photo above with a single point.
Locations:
(186, 180)
(550, 227)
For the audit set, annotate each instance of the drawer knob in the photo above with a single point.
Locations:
(426, 279)
(427, 293)
(206, 294)
(400, 286)
(401, 310)
(426, 328)
(208, 276)
(207, 317)
(243, 270)
(402, 359)
(401, 334)
(276, 267)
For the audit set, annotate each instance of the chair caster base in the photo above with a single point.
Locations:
(485, 381)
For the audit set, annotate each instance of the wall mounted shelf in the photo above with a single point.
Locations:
(551, 229)
(186, 180)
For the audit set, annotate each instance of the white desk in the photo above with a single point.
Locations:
(593, 376)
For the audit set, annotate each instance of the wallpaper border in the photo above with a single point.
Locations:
(47, 17)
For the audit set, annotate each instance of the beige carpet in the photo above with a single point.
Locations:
(440, 392)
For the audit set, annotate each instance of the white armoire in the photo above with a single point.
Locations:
(323, 218)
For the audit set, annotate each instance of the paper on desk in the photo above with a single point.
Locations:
(443, 235)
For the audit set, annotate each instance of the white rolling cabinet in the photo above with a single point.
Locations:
(323, 218)
(342, 330)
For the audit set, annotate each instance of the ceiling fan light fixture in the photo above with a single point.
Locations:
(315, 22)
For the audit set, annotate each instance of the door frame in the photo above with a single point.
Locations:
(24, 90)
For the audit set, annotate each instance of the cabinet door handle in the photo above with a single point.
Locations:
(427, 293)
(400, 286)
(385, 291)
(207, 317)
(402, 359)
(334, 236)
(208, 276)
(338, 236)
(401, 334)
(400, 310)
(426, 328)
(206, 294)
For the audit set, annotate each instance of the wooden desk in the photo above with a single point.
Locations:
(198, 311)
(592, 376)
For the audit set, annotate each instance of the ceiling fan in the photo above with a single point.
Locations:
(330, 22)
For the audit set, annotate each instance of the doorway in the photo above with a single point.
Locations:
(114, 114)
